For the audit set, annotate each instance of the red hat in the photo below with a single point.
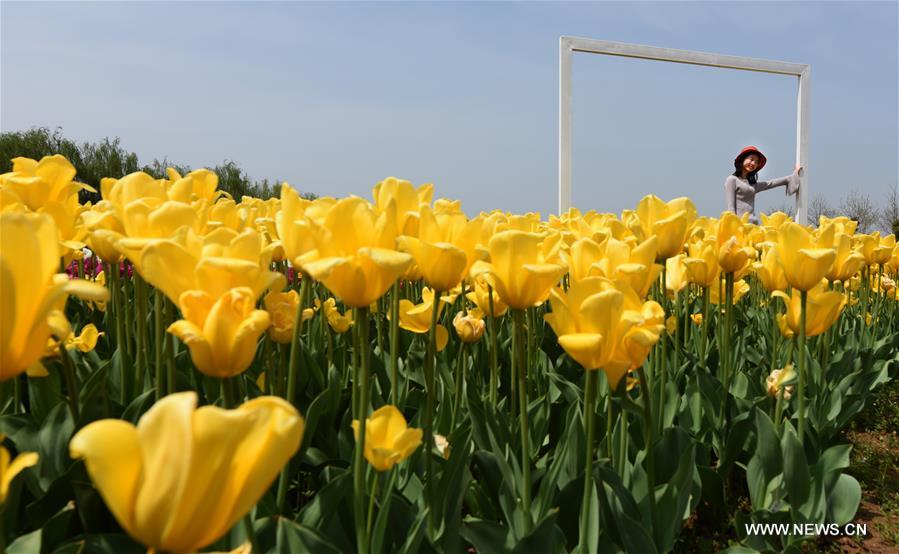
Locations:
(747, 151)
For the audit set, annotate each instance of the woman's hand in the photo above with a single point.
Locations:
(798, 170)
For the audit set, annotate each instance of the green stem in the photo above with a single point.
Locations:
(650, 451)
(158, 337)
(295, 345)
(521, 367)
(589, 423)
(371, 506)
(801, 339)
(169, 348)
(461, 362)
(68, 369)
(704, 342)
(430, 390)
(727, 346)
(140, 293)
(395, 344)
(494, 362)
(358, 458)
(127, 369)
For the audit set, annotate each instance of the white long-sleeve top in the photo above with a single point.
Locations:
(740, 194)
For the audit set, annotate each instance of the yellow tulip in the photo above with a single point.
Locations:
(841, 224)
(407, 201)
(104, 230)
(441, 261)
(522, 267)
(741, 287)
(676, 278)
(339, 323)
(668, 221)
(282, 309)
(702, 264)
(86, 340)
(355, 256)
(770, 272)
(9, 469)
(222, 260)
(634, 264)
(804, 262)
(470, 327)
(39, 183)
(221, 333)
(581, 257)
(605, 325)
(697, 318)
(480, 297)
(847, 261)
(417, 317)
(822, 310)
(388, 439)
(734, 253)
(184, 476)
(775, 220)
(32, 294)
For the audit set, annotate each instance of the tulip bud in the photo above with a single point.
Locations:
(470, 327)
(777, 380)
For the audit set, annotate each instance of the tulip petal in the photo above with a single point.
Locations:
(166, 447)
(112, 454)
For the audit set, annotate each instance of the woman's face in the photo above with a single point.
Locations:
(751, 163)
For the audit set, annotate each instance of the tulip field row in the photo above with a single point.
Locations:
(182, 371)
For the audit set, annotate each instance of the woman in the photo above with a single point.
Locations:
(741, 187)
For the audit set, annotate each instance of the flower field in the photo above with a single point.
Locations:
(182, 371)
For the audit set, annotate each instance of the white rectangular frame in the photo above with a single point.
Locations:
(569, 45)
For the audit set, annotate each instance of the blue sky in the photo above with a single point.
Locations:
(333, 97)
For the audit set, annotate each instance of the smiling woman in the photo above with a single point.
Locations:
(741, 187)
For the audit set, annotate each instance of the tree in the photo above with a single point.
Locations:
(819, 206)
(788, 208)
(858, 206)
(889, 212)
(107, 158)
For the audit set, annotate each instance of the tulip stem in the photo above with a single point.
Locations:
(284, 480)
(650, 452)
(519, 351)
(169, 348)
(589, 424)
(704, 342)
(140, 293)
(727, 346)
(461, 363)
(395, 344)
(127, 369)
(494, 365)
(430, 385)
(778, 409)
(801, 338)
(371, 506)
(358, 460)
(157, 343)
(68, 369)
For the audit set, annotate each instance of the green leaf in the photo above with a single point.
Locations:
(545, 537)
(767, 446)
(26, 544)
(487, 537)
(843, 500)
(294, 538)
(796, 474)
